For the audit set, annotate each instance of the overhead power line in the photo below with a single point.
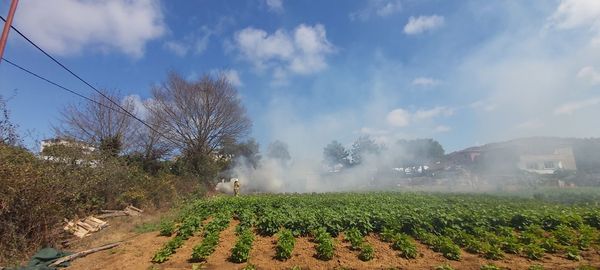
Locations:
(60, 86)
(80, 79)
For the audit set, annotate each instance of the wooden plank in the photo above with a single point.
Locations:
(136, 209)
(86, 226)
(110, 211)
(82, 254)
(116, 214)
(81, 233)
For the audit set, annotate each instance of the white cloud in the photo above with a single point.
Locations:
(531, 124)
(487, 106)
(442, 128)
(275, 5)
(66, 27)
(418, 25)
(402, 118)
(589, 74)
(374, 132)
(398, 118)
(422, 114)
(197, 41)
(573, 14)
(140, 109)
(178, 48)
(425, 82)
(381, 8)
(303, 52)
(233, 77)
(571, 107)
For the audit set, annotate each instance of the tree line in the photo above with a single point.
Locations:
(404, 153)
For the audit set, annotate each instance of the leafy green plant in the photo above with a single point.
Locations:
(366, 252)
(206, 247)
(444, 267)
(249, 267)
(550, 245)
(493, 252)
(586, 237)
(325, 245)
(536, 267)
(534, 252)
(355, 238)
(387, 235)
(211, 236)
(511, 245)
(167, 227)
(241, 251)
(445, 246)
(404, 244)
(572, 253)
(565, 235)
(489, 267)
(163, 254)
(285, 244)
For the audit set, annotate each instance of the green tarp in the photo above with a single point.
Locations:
(43, 258)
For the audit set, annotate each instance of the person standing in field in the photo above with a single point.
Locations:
(236, 187)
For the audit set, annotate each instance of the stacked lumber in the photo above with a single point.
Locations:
(128, 211)
(82, 228)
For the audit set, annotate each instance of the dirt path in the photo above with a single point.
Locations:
(137, 252)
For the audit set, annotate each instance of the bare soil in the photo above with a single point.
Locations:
(138, 249)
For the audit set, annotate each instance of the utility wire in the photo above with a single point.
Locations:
(59, 86)
(81, 79)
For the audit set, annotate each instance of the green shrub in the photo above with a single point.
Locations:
(489, 267)
(285, 245)
(550, 245)
(165, 252)
(241, 251)
(325, 245)
(366, 252)
(536, 267)
(355, 238)
(444, 267)
(572, 253)
(565, 235)
(493, 252)
(211, 236)
(167, 227)
(534, 252)
(511, 245)
(387, 235)
(445, 246)
(77, 189)
(404, 244)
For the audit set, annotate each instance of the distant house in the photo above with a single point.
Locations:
(50, 143)
(548, 163)
(535, 155)
(66, 150)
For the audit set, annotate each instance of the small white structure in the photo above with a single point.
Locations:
(560, 159)
(85, 148)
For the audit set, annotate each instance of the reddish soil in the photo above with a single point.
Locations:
(137, 252)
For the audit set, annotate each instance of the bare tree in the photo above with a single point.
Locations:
(147, 142)
(102, 124)
(8, 130)
(198, 116)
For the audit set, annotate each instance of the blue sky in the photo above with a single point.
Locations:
(308, 72)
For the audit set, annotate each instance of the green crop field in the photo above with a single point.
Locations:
(451, 225)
